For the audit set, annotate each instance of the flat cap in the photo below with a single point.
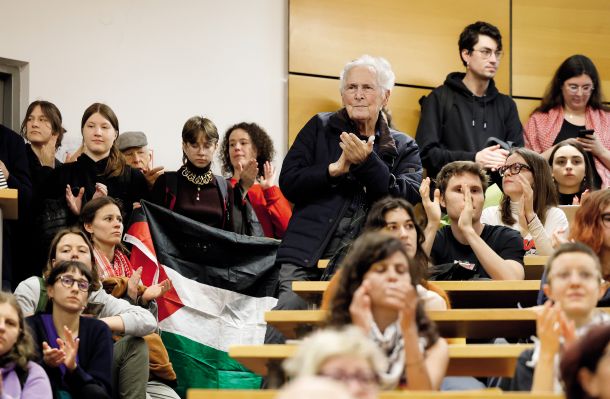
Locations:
(131, 139)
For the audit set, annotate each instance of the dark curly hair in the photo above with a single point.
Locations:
(260, 141)
(23, 350)
(366, 250)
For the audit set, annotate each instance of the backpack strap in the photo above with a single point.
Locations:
(171, 188)
(221, 182)
(43, 297)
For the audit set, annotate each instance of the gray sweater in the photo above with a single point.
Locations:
(138, 321)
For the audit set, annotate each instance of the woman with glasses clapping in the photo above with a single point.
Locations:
(529, 201)
(76, 351)
(572, 108)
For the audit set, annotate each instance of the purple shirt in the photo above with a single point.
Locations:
(36, 385)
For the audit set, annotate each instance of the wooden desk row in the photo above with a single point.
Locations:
(481, 360)
(454, 323)
(463, 294)
(271, 393)
(534, 266)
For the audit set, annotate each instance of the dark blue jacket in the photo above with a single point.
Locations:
(394, 168)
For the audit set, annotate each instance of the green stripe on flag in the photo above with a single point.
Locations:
(200, 366)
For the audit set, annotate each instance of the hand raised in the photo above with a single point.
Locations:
(465, 220)
(360, 308)
(247, 172)
(52, 357)
(156, 290)
(74, 203)
(133, 283)
(70, 348)
(432, 208)
(268, 177)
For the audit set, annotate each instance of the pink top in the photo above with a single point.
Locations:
(542, 129)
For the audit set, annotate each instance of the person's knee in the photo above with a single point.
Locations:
(131, 349)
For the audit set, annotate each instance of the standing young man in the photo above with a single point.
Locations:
(459, 118)
(484, 251)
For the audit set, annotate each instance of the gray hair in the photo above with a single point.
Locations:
(325, 344)
(381, 66)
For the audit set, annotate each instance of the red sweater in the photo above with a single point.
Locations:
(271, 207)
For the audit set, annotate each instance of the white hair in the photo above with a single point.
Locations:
(381, 67)
(325, 344)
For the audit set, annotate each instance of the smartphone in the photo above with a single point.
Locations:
(584, 133)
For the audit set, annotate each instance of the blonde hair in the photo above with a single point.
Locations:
(325, 344)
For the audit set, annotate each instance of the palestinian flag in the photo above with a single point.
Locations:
(222, 286)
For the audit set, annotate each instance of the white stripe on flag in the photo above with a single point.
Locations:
(216, 317)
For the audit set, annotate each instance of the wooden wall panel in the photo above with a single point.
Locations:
(525, 108)
(309, 95)
(418, 37)
(546, 32)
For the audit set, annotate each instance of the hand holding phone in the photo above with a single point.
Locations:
(584, 133)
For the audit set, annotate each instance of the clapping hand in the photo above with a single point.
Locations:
(266, 180)
(432, 208)
(356, 151)
(74, 203)
(360, 308)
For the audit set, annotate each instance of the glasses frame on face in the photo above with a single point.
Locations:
(574, 88)
(486, 53)
(605, 218)
(365, 88)
(368, 381)
(515, 168)
(68, 282)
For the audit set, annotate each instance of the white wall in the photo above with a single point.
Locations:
(155, 62)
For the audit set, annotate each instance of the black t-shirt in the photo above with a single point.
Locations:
(504, 241)
(570, 131)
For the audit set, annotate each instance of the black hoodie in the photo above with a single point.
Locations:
(469, 122)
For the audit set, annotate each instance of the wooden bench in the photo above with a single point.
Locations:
(481, 360)
(271, 394)
(463, 294)
(454, 323)
(533, 264)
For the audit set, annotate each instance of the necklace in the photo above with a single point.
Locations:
(198, 180)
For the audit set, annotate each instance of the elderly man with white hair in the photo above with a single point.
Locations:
(340, 163)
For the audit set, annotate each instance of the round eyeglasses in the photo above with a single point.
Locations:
(514, 168)
(574, 89)
(68, 282)
(487, 52)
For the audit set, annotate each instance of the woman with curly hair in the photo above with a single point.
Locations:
(21, 377)
(247, 152)
(377, 292)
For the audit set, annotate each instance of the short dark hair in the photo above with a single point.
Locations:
(567, 248)
(260, 141)
(51, 112)
(198, 126)
(573, 66)
(470, 36)
(456, 168)
(67, 266)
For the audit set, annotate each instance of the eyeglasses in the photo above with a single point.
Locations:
(364, 379)
(68, 282)
(606, 220)
(586, 89)
(366, 89)
(486, 53)
(514, 168)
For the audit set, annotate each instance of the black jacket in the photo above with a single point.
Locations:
(455, 124)
(394, 168)
(129, 187)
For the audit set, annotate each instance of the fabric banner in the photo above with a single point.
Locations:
(222, 285)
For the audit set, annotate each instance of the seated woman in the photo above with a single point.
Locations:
(591, 226)
(529, 202)
(21, 377)
(194, 191)
(574, 286)
(76, 351)
(102, 220)
(247, 153)
(130, 370)
(345, 355)
(572, 172)
(585, 365)
(396, 217)
(101, 168)
(572, 103)
(377, 293)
